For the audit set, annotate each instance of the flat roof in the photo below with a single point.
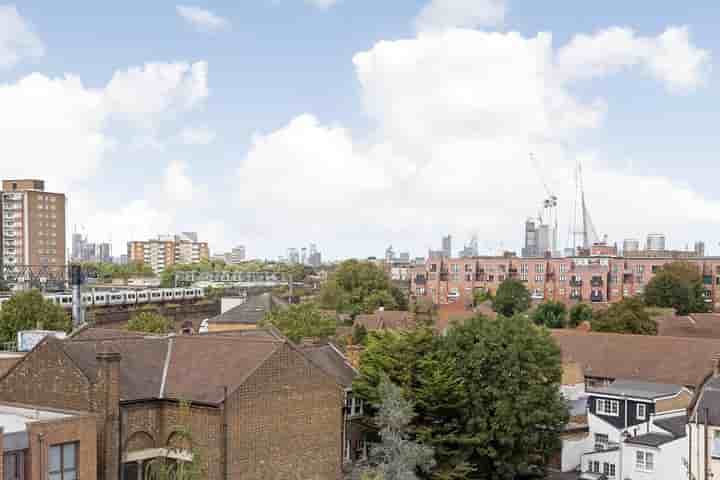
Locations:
(637, 389)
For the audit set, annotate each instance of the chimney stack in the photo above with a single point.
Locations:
(107, 406)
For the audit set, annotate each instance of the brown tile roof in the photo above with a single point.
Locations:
(198, 366)
(386, 320)
(448, 313)
(97, 333)
(678, 360)
(704, 325)
(330, 360)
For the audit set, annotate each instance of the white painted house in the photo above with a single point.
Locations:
(704, 429)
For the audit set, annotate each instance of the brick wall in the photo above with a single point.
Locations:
(285, 422)
(81, 429)
(47, 378)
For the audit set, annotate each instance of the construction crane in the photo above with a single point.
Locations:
(550, 203)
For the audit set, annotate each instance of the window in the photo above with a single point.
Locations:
(716, 444)
(607, 407)
(609, 469)
(468, 267)
(563, 268)
(595, 466)
(454, 268)
(62, 464)
(538, 278)
(601, 441)
(523, 277)
(563, 278)
(644, 461)
(540, 268)
(524, 267)
(14, 465)
(641, 411)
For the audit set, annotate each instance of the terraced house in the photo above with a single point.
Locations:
(249, 400)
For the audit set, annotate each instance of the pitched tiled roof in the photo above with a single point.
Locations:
(703, 325)
(199, 367)
(250, 312)
(386, 320)
(334, 363)
(674, 425)
(676, 360)
(705, 406)
(97, 333)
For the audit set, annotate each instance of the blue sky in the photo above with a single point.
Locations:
(303, 144)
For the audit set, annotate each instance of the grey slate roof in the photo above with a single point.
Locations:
(651, 439)
(706, 405)
(637, 389)
(331, 362)
(674, 425)
(249, 313)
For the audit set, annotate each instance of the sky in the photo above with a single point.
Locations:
(359, 124)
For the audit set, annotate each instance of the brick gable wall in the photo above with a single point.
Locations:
(46, 377)
(285, 422)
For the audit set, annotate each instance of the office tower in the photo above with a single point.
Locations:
(447, 246)
(655, 241)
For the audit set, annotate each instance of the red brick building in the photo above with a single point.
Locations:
(597, 279)
(257, 405)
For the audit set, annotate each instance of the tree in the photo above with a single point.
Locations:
(302, 320)
(487, 395)
(677, 285)
(150, 322)
(397, 456)
(582, 312)
(360, 287)
(626, 316)
(29, 310)
(359, 335)
(481, 296)
(550, 314)
(512, 297)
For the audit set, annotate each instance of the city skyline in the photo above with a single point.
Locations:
(253, 132)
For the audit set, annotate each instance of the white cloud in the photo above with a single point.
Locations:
(141, 94)
(177, 186)
(197, 136)
(670, 57)
(202, 20)
(322, 4)
(17, 39)
(443, 14)
(458, 112)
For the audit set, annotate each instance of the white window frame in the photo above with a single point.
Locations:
(716, 444)
(603, 407)
(601, 443)
(641, 461)
(643, 407)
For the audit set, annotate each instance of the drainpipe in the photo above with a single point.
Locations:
(226, 463)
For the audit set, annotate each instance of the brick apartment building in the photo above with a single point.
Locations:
(33, 226)
(258, 407)
(165, 251)
(597, 279)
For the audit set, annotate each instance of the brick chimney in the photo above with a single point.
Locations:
(107, 405)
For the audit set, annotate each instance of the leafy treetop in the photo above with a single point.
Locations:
(29, 310)
(512, 297)
(150, 322)
(302, 320)
(626, 316)
(677, 285)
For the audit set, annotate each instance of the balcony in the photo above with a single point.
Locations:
(576, 296)
(444, 277)
(420, 280)
(574, 282)
(596, 297)
(596, 282)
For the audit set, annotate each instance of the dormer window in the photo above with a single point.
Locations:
(641, 411)
(607, 407)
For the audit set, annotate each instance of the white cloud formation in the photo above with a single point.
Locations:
(177, 186)
(443, 14)
(670, 57)
(197, 136)
(322, 4)
(201, 19)
(458, 112)
(141, 94)
(17, 39)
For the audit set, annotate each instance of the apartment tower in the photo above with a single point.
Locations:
(33, 228)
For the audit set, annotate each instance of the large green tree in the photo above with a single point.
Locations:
(397, 456)
(551, 314)
(486, 395)
(29, 310)
(150, 322)
(511, 298)
(579, 313)
(677, 285)
(302, 320)
(626, 316)
(360, 287)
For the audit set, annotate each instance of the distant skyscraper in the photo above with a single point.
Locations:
(531, 248)
(314, 257)
(77, 243)
(631, 245)
(303, 256)
(700, 249)
(655, 241)
(238, 254)
(447, 246)
(293, 256)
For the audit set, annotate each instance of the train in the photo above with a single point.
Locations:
(104, 298)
